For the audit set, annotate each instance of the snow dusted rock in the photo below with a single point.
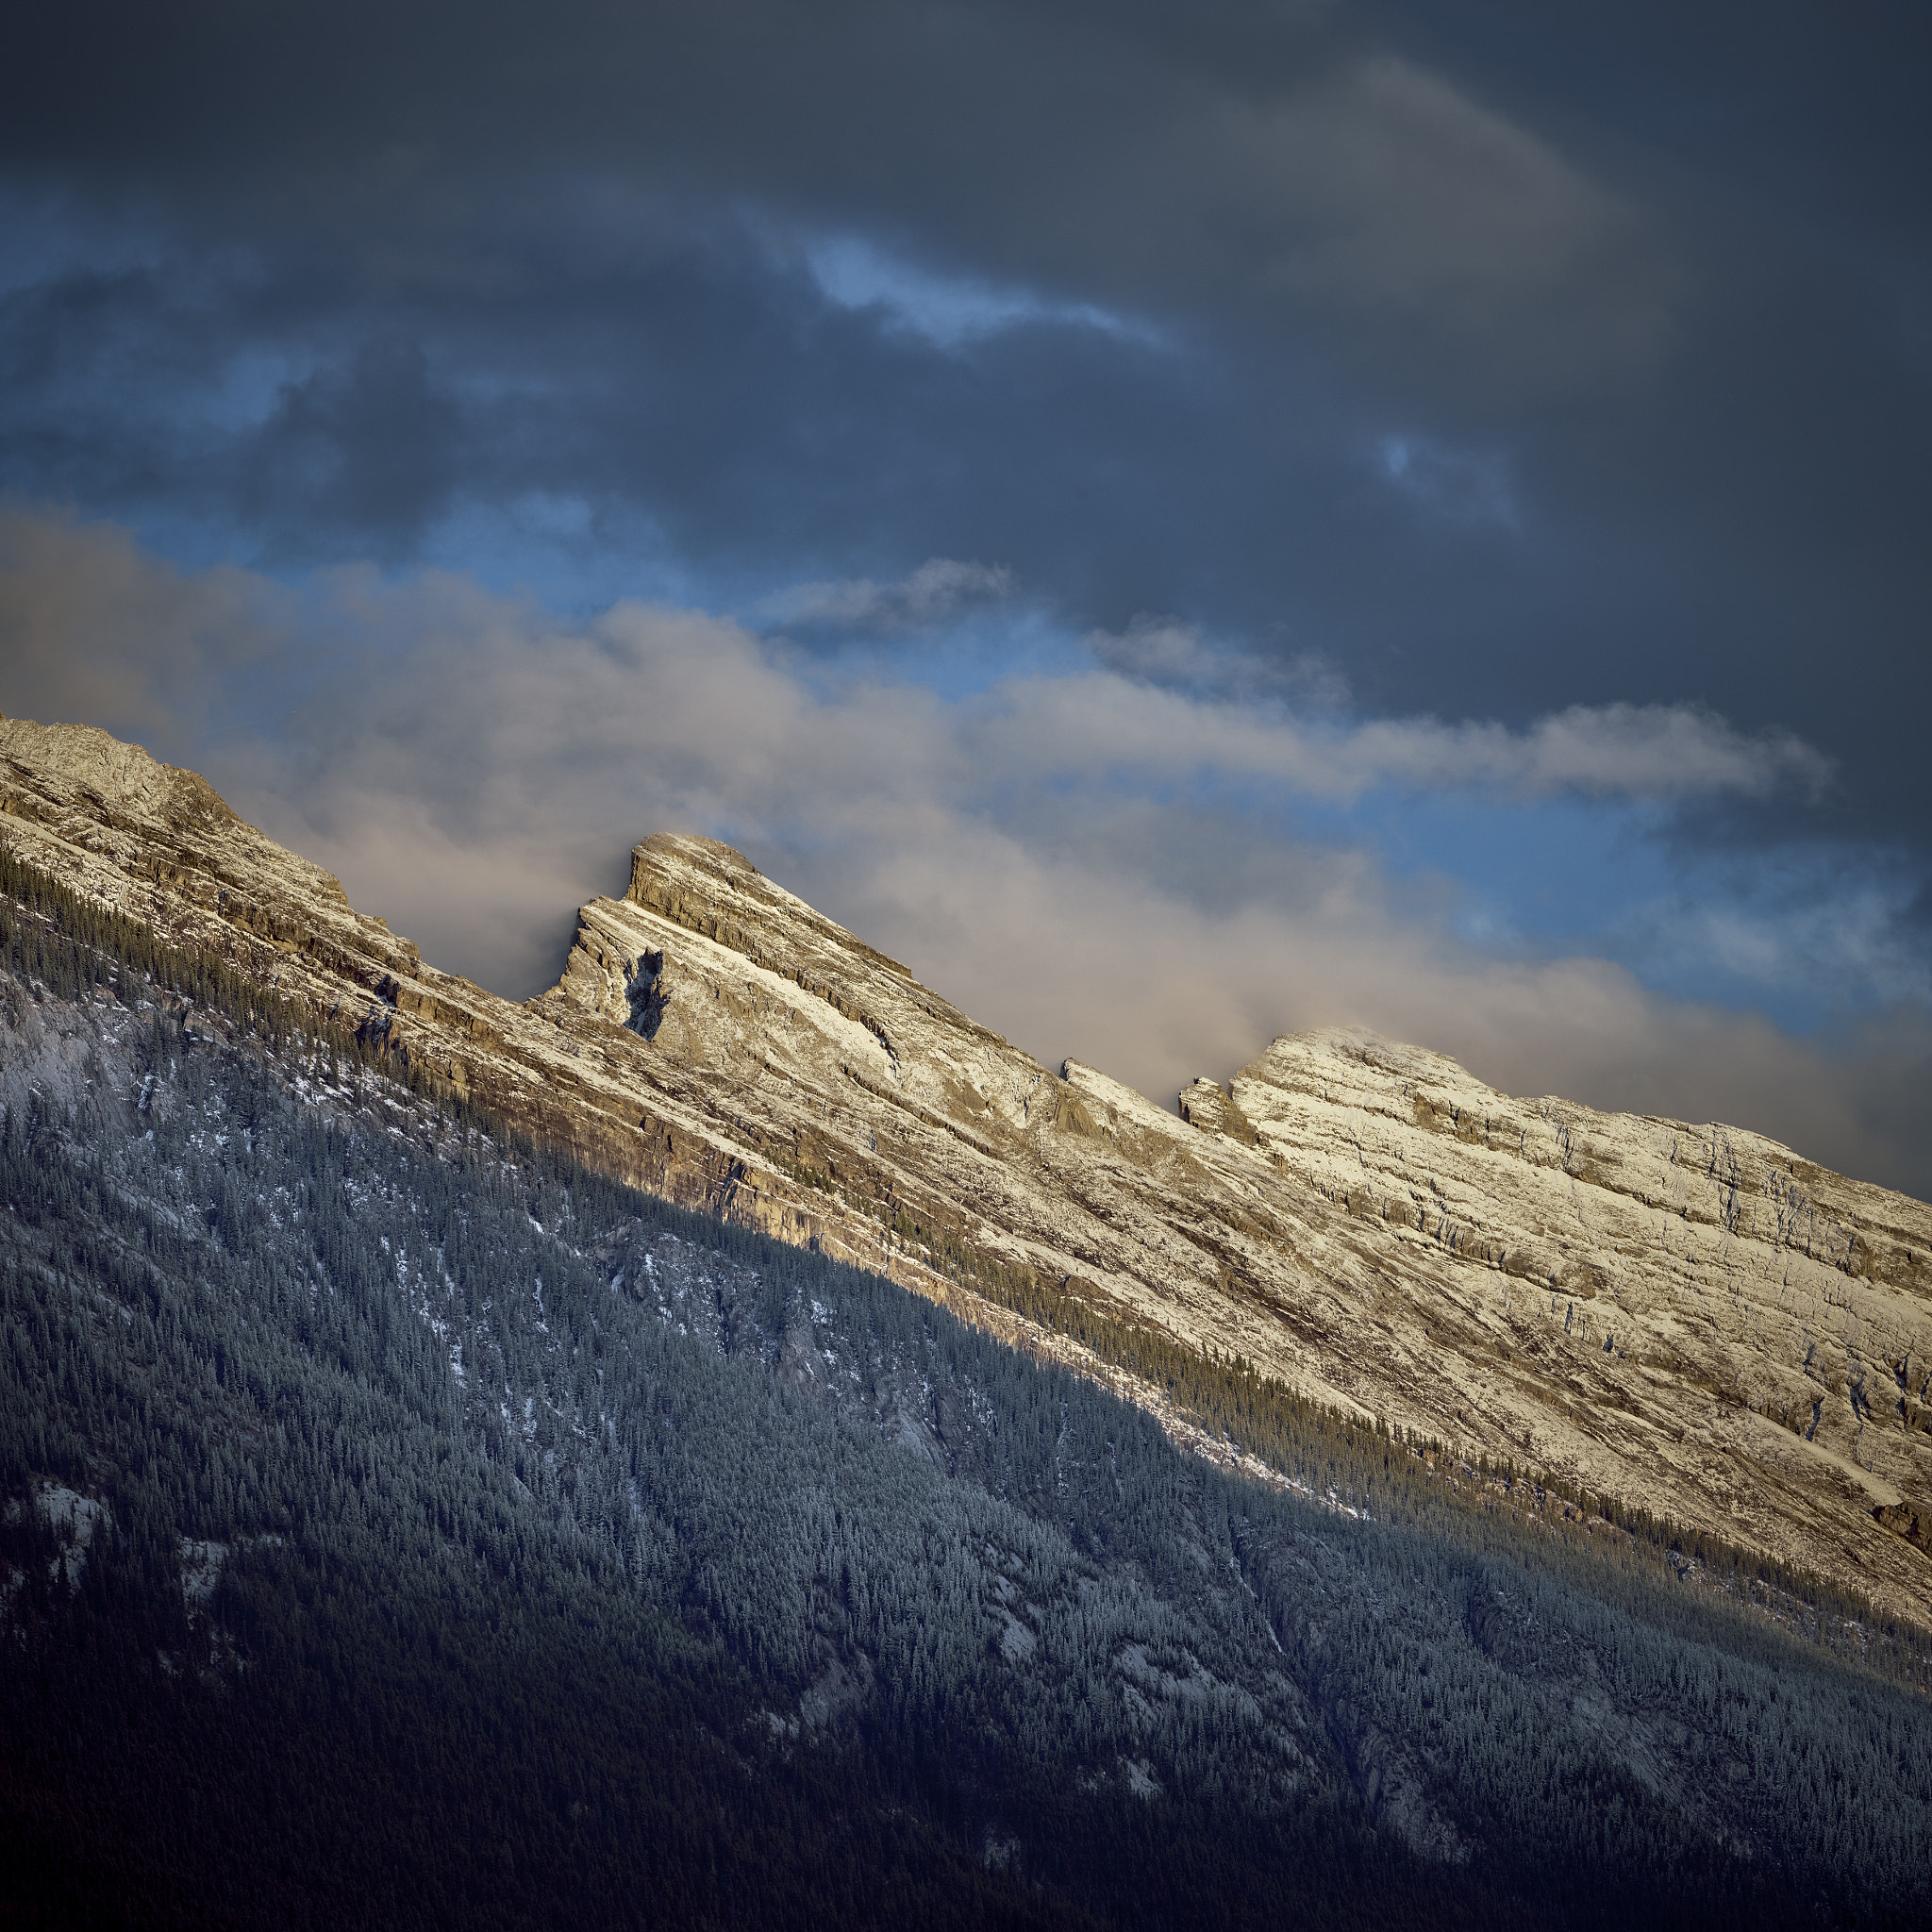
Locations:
(1692, 1310)
(1213, 1111)
(1692, 1319)
(72, 1517)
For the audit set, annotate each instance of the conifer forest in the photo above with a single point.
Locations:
(407, 1525)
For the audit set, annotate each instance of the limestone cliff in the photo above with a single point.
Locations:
(1691, 1318)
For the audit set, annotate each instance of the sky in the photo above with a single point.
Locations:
(1180, 523)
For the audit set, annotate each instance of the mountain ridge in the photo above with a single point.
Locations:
(1688, 1318)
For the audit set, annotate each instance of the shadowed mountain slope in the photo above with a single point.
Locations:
(401, 1525)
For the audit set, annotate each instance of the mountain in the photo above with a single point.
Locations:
(404, 1517)
(1690, 1320)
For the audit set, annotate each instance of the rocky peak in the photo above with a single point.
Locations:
(100, 775)
(709, 887)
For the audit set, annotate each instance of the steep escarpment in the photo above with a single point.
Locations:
(1690, 1319)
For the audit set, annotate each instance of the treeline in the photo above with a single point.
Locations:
(51, 934)
(57, 938)
(1402, 1475)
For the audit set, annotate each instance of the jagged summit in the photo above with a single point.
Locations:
(1688, 1317)
(667, 859)
(708, 887)
(90, 764)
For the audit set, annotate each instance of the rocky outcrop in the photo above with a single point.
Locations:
(1915, 1525)
(1689, 1318)
(1211, 1108)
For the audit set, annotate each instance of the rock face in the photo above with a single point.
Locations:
(1689, 1318)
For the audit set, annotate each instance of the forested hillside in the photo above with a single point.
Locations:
(406, 1525)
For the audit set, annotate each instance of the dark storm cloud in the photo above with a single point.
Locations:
(370, 450)
(688, 380)
(1265, 166)
(1480, 253)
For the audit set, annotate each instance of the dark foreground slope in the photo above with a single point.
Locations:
(403, 1527)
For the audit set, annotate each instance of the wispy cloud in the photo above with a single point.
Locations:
(1460, 486)
(938, 590)
(1170, 652)
(474, 767)
(1118, 719)
(949, 310)
(1600, 751)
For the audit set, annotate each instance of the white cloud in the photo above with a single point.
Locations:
(93, 627)
(1101, 723)
(473, 768)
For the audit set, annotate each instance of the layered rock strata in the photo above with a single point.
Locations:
(1689, 1318)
